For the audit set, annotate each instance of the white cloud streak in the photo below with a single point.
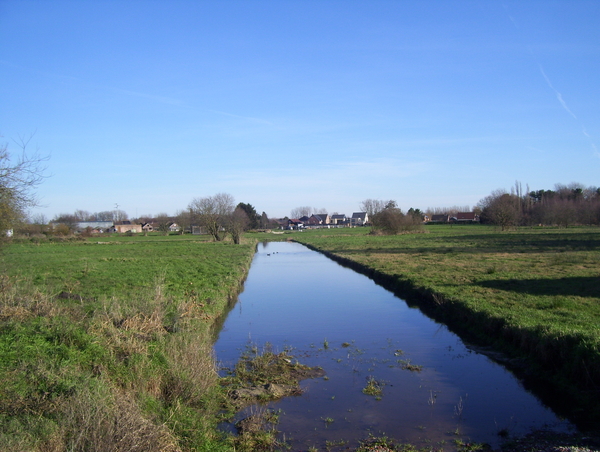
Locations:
(568, 110)
(558, 94)
(592, 144)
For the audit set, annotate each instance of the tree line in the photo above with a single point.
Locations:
(219, 216)
(564, 206)
(216, 215)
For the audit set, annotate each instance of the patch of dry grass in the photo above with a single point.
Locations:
(20, 300)
(98, 420)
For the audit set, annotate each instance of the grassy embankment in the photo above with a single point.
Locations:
(533, 293)
(107, 346)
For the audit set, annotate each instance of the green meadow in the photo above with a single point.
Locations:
(106, 342)
(122, 266)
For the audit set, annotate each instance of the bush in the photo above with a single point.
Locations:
(392, 221)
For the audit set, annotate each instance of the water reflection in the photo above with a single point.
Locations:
(342, 321)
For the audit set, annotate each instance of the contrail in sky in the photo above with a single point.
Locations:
(567, 109)
(556, 92)
(558, 95)
(585, 132)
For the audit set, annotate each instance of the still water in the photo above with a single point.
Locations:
(335, 318)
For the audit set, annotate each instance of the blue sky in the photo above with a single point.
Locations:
(149, 104)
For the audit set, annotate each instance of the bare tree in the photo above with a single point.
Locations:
(182, 217)
(236, 223)
(372, 206)
(119, 215)
(18, 179)
(211, 213)
(68, 220)
(452, 210)
(83, 215)
(302, 211)
(501, 209)
(39, 219)
(164, 222)
(106, 215)
(36, 224)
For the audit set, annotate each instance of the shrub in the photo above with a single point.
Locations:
(391, 221)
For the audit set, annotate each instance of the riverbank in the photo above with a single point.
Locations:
(107, 345)
(532, 294)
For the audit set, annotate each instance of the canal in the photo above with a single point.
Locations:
(435, 389)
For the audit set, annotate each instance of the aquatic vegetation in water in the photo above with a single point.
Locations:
(459, 407)
(328, 420)
(407, 365)
(265, 375)
(432, 398)
(373, 387)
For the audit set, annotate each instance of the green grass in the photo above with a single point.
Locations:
(536, 291)
(99, 340)
(108, 267)
(109, 346)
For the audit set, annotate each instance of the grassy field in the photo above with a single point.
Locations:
(106, 344)
(122, 266)
(531, 292)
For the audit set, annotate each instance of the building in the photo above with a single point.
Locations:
(338, 219)
(359, 218)
(126, 226)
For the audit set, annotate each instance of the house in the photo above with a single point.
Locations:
(325, 218)
(281, 223)
(338, 219)
(295, 224)
(466, 217)
(126, 226)
(359, 218)
(439, 218)
(319, 219)
(155, 225)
